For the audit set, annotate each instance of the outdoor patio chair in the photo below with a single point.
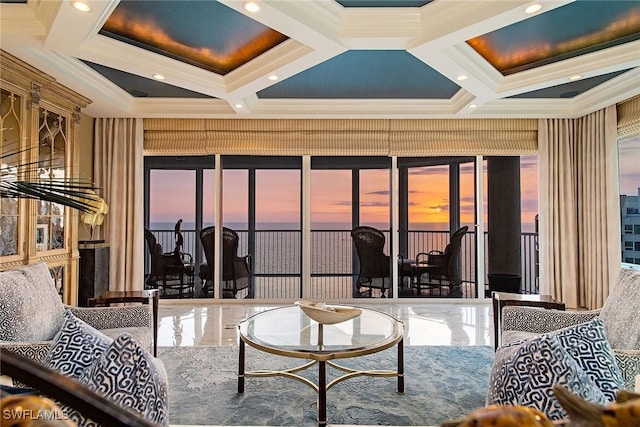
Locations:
(443, 266)
(374, 264)
(171, 272)
(236, 270)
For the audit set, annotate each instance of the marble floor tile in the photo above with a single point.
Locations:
(211, 323)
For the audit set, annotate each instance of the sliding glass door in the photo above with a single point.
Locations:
(268, 201)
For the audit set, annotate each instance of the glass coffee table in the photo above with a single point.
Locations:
(288, 331)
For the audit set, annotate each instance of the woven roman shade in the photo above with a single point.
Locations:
(629, 117)
(266, 137)
(336, 137)
(463, 137)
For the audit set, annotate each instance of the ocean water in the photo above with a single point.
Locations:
(278, 249)
(416, 226)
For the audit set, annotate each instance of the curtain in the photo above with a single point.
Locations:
(579, 208)
(119, 171)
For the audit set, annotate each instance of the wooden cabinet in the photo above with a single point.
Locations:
(39, 122)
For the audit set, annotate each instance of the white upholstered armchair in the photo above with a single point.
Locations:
(31, 313)
(619, 315)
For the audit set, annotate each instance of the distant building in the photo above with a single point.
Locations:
(630, 221)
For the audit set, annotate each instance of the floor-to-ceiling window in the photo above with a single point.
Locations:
(262, 199)
(440, 198)
(629, 172)
(172, 198)
(262, 202)
(344, 192)
(331, 220)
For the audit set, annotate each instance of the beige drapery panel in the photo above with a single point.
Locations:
(629, 117)
(579, 218)
(341, 137)
(118, 170)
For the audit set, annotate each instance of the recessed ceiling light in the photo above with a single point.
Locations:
(574, 78)
(533, 8)
(462, 78)
(472, 106)
(158, 76)
(238, 106)
(251, 6)
(273, 77)
(81, 6)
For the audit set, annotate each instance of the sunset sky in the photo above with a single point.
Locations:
(278, 193)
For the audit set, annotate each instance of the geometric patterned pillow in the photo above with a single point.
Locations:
(629, 364)
(75, 347)
(587, 344)
(525, 375)
(130, 376)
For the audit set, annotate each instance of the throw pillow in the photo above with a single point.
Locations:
(75, 347)
(525, 375)
(130, 376)
(620, 311)
(587, 344)
(30, 307)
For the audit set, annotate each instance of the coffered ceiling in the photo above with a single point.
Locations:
(334, 59)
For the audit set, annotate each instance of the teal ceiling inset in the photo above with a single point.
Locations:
(358, 74)
(141, 87)
(571, 89)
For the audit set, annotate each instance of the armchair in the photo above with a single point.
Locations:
(236, 270)
(33, 313)
(375, 268)
(170, 271)
(443, 266)
(619, 315)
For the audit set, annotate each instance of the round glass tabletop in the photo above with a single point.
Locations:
(289, 331)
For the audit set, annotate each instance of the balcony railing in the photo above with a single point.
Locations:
(277, 270)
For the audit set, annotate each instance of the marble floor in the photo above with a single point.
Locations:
(213, 323)
(427, 322)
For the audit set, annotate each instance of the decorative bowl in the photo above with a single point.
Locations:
(328, 314)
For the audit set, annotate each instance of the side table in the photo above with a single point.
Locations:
(120, 297)
(501, 299)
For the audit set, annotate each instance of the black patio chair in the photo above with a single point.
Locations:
(443, 267)
(374, 264)
(236, 270)
(171, 272)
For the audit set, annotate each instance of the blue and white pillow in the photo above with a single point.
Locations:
(587, 344)
(75, 347)
(525, 375)
(130, 376)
